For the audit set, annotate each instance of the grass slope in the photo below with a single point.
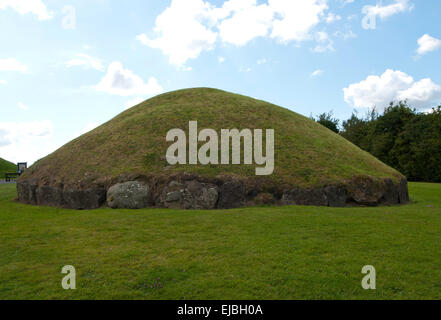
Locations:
(248, 253)
(306, 153)
(6, 167)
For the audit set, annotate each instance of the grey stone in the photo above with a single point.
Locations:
(84, 199)
(391, 193)
(30, 193)
(336, 196)
(174, 183)
(403, 192)
(174, 196)
(128, 195)
(193, 194)
(26, 191)
(189, 195)
(264, 198)
(366, 191)
(210, 196)
(232, 195)
(306, 197)
(49, 196)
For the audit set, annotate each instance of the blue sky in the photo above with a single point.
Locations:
(68, 66)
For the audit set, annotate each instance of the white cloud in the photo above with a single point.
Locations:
(221, 59)
(244, 69)
(316, 73)
(247, 22)
(387, 10)
(22, 106)
(392, 86)
(85, 61)
(143, 39)
(297, 18)
(3, 82)
(26, 141)
(428, 43)
(123, 82)
(324, 42)
(279, 19)
(188, 27)
(349, 35)
(133, 102)
(421, 93)
(345, 2)
(331, 17)
(36, 7)
(12, 64)
(346, 34)
(181, 31)
(261, 61)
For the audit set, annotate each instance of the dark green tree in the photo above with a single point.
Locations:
(327, 119)
(401, 137)
(386, 128)
(417, 148)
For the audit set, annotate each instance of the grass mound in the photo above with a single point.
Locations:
(6, 167)
(306, 153)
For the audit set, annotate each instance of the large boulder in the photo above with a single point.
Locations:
(366, 191)
(83, 199)
(129, 195)
(372, 192)
(311, 197)
(189, 195)
(336, 195)
(232, 195)
(403, 191)
(26, 191)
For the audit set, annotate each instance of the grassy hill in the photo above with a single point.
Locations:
(306, 153)
(6, 167)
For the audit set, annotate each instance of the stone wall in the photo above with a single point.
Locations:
(190, 192)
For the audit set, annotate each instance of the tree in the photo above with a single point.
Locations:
(357, 130)
(418, 147)
(328, 120)
(387, 128)
(401, 137)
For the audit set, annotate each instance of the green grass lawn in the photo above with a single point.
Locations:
(249, 253)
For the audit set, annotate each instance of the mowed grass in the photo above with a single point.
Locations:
(250, 253)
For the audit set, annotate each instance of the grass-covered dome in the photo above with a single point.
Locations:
(307, 156)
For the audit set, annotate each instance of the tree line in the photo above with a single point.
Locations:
(400, 136)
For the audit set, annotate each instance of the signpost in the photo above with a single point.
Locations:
(21, 167)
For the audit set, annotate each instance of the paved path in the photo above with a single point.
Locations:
(2, 181)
